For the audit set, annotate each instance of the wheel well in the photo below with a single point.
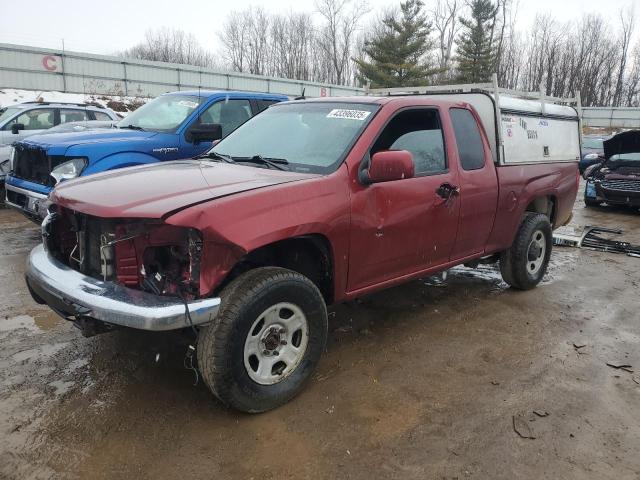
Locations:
(545, 205)
(309, 255)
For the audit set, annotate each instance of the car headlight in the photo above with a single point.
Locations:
(68, 170)
(591, 156)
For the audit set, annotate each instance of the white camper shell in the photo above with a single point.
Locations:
(522, 127)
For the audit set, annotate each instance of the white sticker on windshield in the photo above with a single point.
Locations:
(188, 104)
(348, 114)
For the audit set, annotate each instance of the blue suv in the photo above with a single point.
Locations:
(170, 127)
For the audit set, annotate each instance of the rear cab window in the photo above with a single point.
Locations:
(73, 115)
(468, 139)
(101, 116)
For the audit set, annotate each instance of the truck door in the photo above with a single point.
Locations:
(404, 226)
(478, 185)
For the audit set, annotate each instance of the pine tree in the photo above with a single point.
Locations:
(476, 46)
(397, 51)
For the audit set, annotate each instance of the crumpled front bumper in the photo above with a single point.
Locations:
(33, 204)
(74, 295)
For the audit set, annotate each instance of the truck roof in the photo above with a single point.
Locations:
(402, 99)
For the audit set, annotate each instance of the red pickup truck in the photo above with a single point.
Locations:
(310, 203)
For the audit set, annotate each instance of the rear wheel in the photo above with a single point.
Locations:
(265, 341)
(524, 264)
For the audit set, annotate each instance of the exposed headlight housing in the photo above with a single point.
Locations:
(68, 170)
(12, 158)
(4, 168)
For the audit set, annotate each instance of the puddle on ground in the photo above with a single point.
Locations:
(37, 322)
(61, 387)
(25, 322)
(559, 263)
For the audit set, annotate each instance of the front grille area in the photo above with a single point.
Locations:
(33, 164)
(77, 240)
(628, 185)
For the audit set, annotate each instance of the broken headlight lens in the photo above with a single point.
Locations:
(68, 170)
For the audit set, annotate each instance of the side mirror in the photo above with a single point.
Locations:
(16, 127)
(589, 170)
(390, 165)
(205, 132)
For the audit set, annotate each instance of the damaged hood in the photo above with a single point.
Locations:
(154, 191)
(623, 143)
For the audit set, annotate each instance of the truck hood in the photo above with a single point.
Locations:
(626, 142)
(161, 189)
(99, 135)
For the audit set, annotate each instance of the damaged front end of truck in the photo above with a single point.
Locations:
(108, 273)
(616, 180)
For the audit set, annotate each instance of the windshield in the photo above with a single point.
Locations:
(593, 143)
(163, 114)
(312, 137)
(7, 113)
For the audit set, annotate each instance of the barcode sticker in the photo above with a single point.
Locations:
(359, 115)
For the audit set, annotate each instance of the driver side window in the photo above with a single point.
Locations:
(230, 114)
(418, 131)
(37, 119)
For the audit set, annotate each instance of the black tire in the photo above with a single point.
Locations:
(591, 203)
(221, 345)
(517, 261)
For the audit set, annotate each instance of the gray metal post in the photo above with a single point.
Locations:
(496, 90)
(125, 80)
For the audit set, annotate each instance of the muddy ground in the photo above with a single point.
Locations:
(421, 381)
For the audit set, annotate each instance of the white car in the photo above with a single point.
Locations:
(25, 119)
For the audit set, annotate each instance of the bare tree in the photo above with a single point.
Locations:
(627, 24)
(170, 45)
(445, 15)
(337, 34)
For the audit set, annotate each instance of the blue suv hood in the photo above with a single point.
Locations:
(105, 135)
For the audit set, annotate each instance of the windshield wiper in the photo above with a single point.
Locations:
(277, 163)
(133, 127)
(217, 156)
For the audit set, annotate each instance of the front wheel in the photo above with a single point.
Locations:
(591, 203)
(524, 264)
(265, 341)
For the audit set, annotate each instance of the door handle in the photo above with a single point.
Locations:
(446, 191)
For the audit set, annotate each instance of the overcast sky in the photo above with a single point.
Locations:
(111, 26)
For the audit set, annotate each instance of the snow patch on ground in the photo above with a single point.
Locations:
(12, 96)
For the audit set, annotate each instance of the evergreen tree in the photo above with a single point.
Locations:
(397, 51)
(476, 56)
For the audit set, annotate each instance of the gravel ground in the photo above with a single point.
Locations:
(430, 379)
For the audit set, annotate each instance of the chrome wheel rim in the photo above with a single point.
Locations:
(276, 343)
(536, 252)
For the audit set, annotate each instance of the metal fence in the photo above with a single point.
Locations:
(616, 117)
(34, 68)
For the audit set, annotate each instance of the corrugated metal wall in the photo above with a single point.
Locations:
(34, 68)
(618, 117)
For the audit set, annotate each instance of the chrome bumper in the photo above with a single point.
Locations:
(74, 295)
(34, 205)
